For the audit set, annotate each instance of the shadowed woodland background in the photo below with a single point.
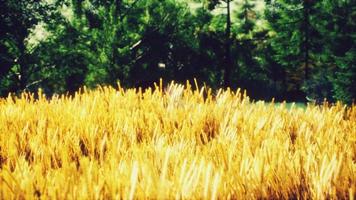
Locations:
(288, 49)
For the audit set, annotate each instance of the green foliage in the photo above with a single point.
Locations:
(339, 52)
(315, 39)
(295, 39)
(288, 50)
(17, 61)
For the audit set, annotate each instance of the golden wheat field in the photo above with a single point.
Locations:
(174, 143)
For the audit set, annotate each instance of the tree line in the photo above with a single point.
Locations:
(284, 49)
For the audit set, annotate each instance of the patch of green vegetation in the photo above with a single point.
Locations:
(290, 105)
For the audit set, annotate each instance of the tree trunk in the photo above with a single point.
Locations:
(227, 64)
(22, 62)
(112, 69)
(118, 10)
(306, 39)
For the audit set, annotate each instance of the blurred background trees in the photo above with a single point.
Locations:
(289, 50)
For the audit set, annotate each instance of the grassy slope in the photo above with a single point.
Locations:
(173, 144)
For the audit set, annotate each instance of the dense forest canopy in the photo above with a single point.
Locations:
(288, 49)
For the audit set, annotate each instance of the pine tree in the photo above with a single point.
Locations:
(296, 40)
(339, 50)
(227, 64)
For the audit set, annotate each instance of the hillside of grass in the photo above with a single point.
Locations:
(173, 143)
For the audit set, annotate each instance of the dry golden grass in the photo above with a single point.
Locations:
(174, 144)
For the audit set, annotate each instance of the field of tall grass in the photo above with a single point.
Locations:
(173, 143)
